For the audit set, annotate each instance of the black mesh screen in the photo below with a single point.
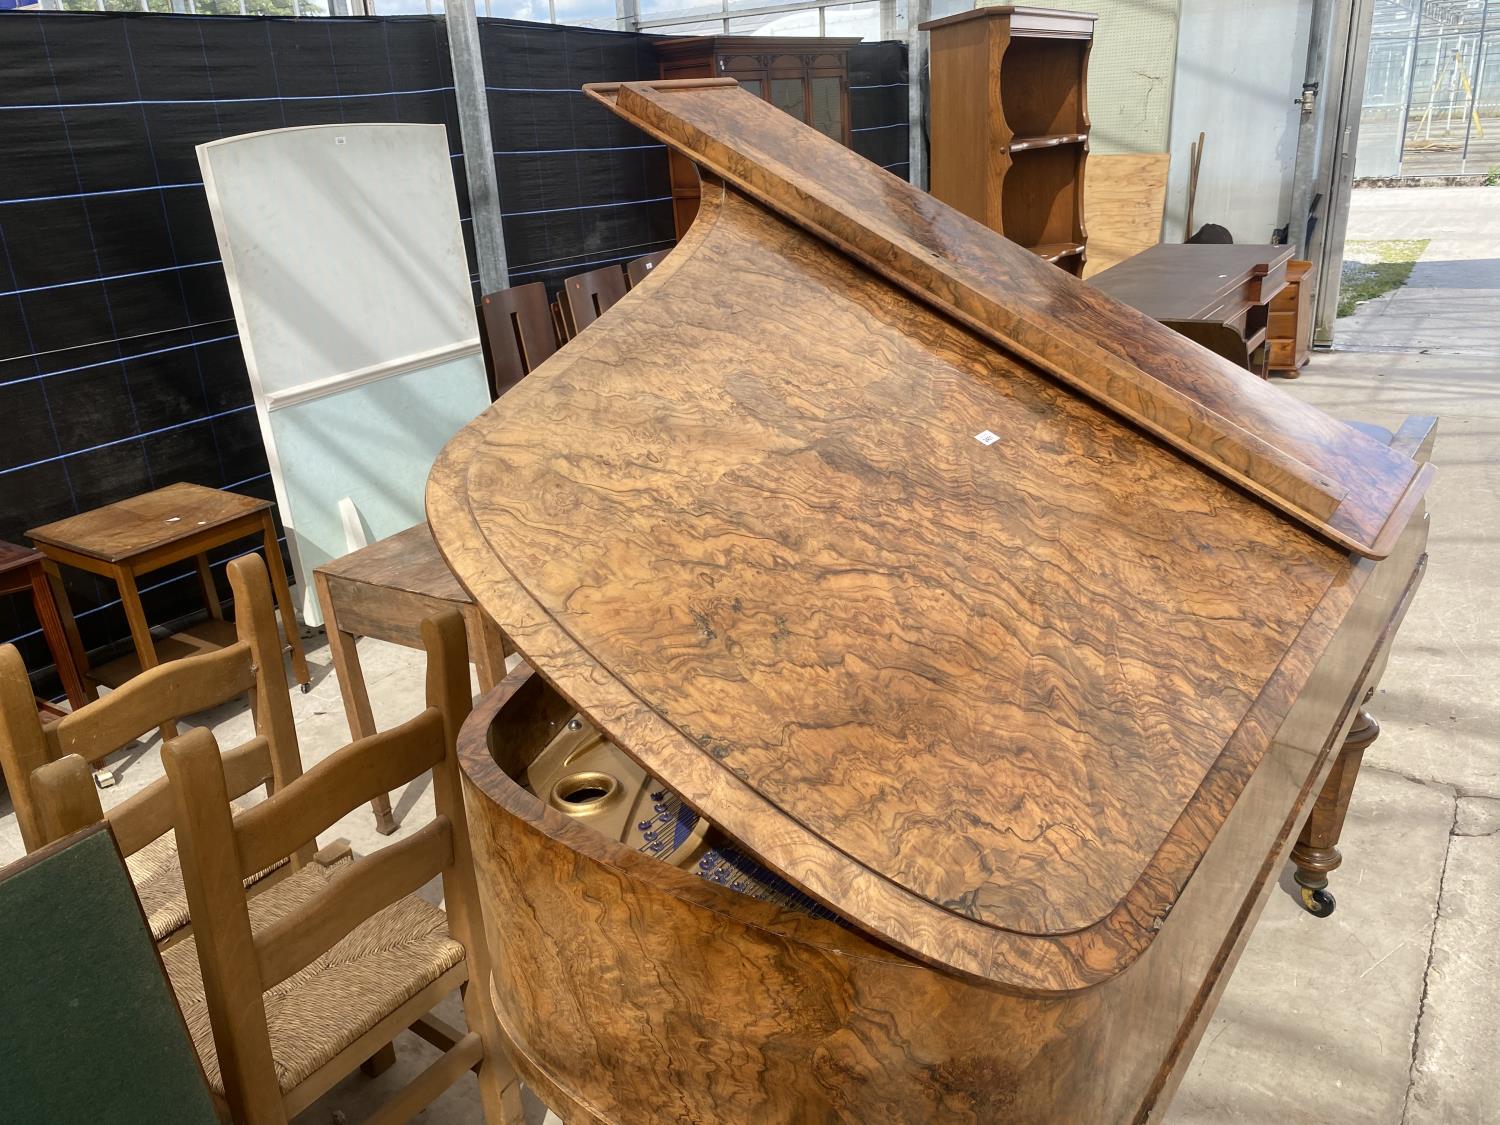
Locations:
(120, 366)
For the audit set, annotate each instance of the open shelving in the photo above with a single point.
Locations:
(1009, 83)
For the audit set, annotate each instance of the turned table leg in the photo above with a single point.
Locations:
(343, 648)
(283, 594)
(55, 633)
(1316, 852)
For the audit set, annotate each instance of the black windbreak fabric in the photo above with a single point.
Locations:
(120, 365)
(579, 188)
(878, 108)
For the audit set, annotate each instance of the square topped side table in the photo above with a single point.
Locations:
(386, 590)
(23, 570)
(125, 540)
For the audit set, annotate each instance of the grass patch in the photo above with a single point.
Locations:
(1372, 269)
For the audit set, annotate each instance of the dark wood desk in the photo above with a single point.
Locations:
(23, 570)
(122, 541)
(1216, 295)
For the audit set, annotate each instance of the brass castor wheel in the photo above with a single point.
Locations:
(1317, 901)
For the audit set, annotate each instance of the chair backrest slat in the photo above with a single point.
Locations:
(221, 926)
(23, 746)
(148, 814)
(253, 664)
(161, 694)
(361, 890)
(587, 296)
(518, 333)
(337, 785)
(638, 269)
(219, 847)
(66, 800)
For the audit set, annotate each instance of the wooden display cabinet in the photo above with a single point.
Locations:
(1010, 124)
(808, 78)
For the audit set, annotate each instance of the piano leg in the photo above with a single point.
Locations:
(1316, 852)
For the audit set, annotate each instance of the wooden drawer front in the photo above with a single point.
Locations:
(1282, 353)
(1264, 288)
(742, 64)
(1283, 325)
(1286, 300)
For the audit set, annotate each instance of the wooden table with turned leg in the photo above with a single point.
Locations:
(24, 570)
(125, 540)
(386, 591)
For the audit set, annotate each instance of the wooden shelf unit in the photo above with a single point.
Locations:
(808, 78)
(1010, 125)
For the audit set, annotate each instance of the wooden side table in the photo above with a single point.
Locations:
(24, 570)
(125, 540)
(386, 591)
(1216, 295)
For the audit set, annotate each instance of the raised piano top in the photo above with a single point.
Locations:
(971, 659)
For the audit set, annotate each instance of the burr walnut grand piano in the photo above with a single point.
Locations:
(996, 638)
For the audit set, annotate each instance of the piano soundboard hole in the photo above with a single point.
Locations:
(583, 792)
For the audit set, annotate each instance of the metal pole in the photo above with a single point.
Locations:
(627, 14)
(1411, 77)
(917, 12)
(1309, 125)
(479, 149)
(1484, 21)
(1343, 143)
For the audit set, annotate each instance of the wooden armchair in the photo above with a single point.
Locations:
(286, 994)
(52, 802)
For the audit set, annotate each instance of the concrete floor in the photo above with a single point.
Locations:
(1389, 1010)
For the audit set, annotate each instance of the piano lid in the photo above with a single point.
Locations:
(970, 659)
(1315, 468)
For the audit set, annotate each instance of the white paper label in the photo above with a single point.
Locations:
(984, 437)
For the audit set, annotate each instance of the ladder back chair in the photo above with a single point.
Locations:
(47, 767)
(638, 269)
(588, 296)
(518, 333)
(559, 321)
(286, 994)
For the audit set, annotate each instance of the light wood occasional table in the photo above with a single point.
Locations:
(386, 591)
(23, 570)
(125, 540)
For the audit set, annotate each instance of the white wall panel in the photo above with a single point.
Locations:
(346, 268)
(1239, 72)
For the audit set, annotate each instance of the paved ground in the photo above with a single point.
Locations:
(1389, 1011)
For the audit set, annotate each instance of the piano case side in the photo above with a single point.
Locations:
(625, 984)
